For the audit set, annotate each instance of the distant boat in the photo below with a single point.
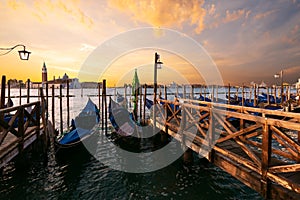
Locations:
(82, 128)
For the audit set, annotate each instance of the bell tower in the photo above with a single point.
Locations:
(44, 73)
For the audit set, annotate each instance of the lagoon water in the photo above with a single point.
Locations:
(81, 176)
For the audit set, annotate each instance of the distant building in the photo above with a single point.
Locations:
(73, 83)
(44, 73)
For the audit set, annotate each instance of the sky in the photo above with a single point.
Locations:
(244, 40)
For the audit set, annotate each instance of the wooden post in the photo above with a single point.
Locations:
(242, 110)
(8, 90)
(266, 158)
(255, 96)
(47, 101)
(250, 94)
(192, 92)
(217, 91)
(163, 136)
(105, 104)
(99, 100)
(102, 106)
(60, 109)
(68, 104)
(268, 96)
(21, 129)
(3, 85)
(125, 95)
(211, 135)
(20, 94)
(43, 114)
(28, 90)
(141, 98)
(188, 154)
(213, 93)
(144, 109)
(229, 93)
(129, 96)
(243, 95)
(53, 107)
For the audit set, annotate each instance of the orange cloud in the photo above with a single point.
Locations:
(234, 15)
(263, 15)
(14, 4)
(167, 13)
(41, 9)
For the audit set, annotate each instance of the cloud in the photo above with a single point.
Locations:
(166, 13)
(264, 14)
(212, 9)
(14, 4)
(234, 15)
(44, 9)
(87, 47)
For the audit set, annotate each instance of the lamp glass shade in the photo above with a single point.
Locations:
(24, 55)
(159, 64)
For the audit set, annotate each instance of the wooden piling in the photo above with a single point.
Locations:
(8, 90)
(20, 93)
(228, 93)
(99, 92)
(255, 96)
(28, 90)
(266, 158)
(53, 107)
(104, 106)
(144, 106)
(164, 135)
(60, 109)
(140, 104)
(3, 85)
(68, 104)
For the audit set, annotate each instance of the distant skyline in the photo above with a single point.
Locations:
(247, 40)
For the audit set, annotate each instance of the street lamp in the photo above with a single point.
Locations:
(24, 55)
(157, 65)
(280, 75)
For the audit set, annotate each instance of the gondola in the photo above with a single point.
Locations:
(121, 119)
(82, 132)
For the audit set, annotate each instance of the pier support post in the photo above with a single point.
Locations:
(164, 135)
(266, 158)
(188, 158)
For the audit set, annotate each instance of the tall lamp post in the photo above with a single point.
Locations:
(24, 55)
(280, 75)
(157, 65)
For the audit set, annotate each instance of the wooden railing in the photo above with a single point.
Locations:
(18, 120)
(269, 140)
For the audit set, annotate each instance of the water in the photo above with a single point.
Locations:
(81, 176)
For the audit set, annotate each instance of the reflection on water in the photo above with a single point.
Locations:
(81, 176)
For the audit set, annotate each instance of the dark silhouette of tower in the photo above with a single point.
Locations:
(44, 74)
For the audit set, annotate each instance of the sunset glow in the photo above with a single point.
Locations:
(247, 40)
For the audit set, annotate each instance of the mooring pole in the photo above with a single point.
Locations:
(3, 83)
(53, 107)
(68, 103)
(60, 109)
(28, 90)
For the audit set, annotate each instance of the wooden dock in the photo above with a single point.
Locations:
(20, 127)
(259, 147)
